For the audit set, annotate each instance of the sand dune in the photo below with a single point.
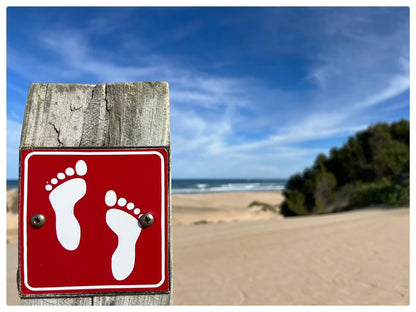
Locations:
(353, 258)
(220, 207)
(227, 254)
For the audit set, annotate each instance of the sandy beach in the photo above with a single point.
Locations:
(225, 253)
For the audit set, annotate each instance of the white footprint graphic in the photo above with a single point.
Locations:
(63, 198)
(128, 229)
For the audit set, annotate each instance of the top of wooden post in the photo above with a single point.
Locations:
(102, 115)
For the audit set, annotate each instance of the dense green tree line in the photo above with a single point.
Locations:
(371, 168)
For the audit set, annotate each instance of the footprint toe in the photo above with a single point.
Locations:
(69, 171)
(81, 167)
(110, 198)
(122, 202)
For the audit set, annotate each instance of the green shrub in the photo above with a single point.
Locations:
(371, 168)
(323, 193)
(296, 204)
(364, 194)
(399, 195)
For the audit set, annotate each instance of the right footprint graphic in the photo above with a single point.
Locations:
(127, 228)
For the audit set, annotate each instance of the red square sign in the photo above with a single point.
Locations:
(94, 220)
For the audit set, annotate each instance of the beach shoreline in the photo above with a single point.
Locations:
(221, 207)
(195, 208)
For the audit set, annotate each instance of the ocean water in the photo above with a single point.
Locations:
(11, 184)
(189, 186)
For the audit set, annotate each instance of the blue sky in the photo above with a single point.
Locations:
(254, 92)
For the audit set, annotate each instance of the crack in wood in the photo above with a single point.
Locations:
(57, 132)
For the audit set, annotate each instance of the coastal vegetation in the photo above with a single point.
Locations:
(264, 206)
(372, 167)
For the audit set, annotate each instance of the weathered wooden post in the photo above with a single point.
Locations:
(112, 116)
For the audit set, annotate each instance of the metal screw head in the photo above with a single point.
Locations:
(37, 221)
(146, 219)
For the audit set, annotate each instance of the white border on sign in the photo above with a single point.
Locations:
(95, 287)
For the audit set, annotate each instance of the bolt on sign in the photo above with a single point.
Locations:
(94, 221)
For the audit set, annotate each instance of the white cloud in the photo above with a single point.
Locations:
(396, 106)
(17, 89)
(192, 133)
(214, 116)
(395, 86)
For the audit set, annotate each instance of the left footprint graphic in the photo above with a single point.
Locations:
(63, 198)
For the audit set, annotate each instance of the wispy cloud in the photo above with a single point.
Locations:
(17, 89)
(229, 124)
(395, 86)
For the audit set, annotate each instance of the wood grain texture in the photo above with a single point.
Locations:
(103, 115)
(72, 301)
(153, 299)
